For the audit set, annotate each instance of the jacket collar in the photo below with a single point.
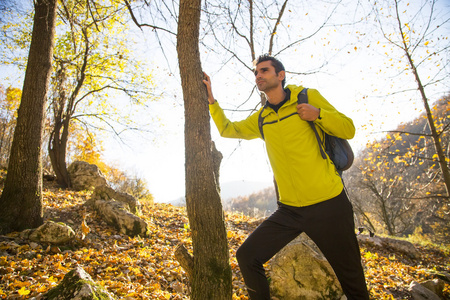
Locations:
(295, 90)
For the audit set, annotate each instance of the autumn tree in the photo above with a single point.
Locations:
(395, 185)
(210, 276)
(92, 64)
(385, 195)
(95, 83)
(21, 200)
(410, 165)
(420, 48)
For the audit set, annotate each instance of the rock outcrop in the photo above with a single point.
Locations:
(50, 232)
(85, 176)
(436, 285)
(77, 285)
(105, 192)
(420, 292)
(300, 271)
(115, 213)
(116, 208)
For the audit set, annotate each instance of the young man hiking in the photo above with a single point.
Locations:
(311, 193)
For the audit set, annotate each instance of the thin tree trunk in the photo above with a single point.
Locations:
(436, 136)
(211, 273)
(2, 140)
(57, 148)
(21, 201)
(442, 160)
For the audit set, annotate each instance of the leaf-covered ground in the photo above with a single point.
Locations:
(145, 268)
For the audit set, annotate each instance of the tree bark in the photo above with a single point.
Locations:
(185, 259)
(21, 201)
(57, 147)
(442, 160)
(211, 272)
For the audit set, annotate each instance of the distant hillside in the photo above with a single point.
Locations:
(396, 184)
(231, 190)
(242, 188)
(258, 204)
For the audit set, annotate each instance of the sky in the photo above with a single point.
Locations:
(360, 77)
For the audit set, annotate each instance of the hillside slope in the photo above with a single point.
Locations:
(145, 268)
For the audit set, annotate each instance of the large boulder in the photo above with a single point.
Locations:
(116, 208)
(436, 285)
(115, 213)
(105, 192)
(85, 176)
(420, 292)
(300, 271)
(53, 233)
(77, 285)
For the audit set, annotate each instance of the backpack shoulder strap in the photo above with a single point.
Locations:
(302, 97)
(261, 121)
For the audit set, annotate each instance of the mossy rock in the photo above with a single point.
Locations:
(77, 284)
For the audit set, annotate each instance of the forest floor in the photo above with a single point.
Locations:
(145, 268)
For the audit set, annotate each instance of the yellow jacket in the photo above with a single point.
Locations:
(303, 176)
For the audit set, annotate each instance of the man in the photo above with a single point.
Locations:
(311, 193)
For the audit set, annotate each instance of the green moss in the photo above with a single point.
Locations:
(137, 229)
(114, 223)
(220, 274)
(70, 285)
(216, 276)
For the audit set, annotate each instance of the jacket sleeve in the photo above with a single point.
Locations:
(246, 129)
(331, 121)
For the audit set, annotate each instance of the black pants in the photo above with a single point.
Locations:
(329, 224)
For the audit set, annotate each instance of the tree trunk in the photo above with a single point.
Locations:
(442, 160)
(211, 272)
(21, 201)
(57, 148)
(2, 141)
(63, 110)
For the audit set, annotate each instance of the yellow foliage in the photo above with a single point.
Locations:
(84, 228)
(23, 291)
(141, 268)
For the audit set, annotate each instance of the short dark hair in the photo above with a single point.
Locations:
(275, 63)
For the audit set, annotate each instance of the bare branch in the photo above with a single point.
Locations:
(309, 36)
(80, 81)
(276, 25)
(133, 17)
(405, 132)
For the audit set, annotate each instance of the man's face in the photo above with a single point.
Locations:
(266, 78)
